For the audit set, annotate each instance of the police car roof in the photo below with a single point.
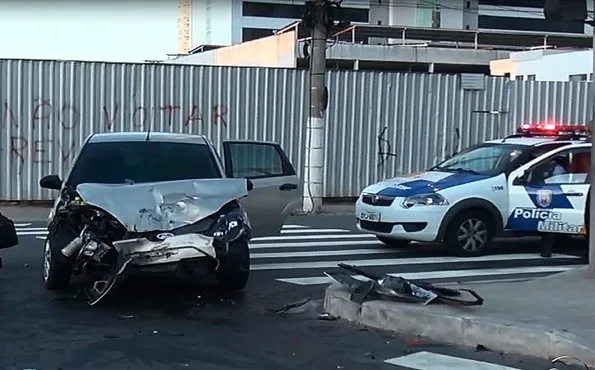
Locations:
(533, 141)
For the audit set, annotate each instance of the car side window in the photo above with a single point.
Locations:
(254, 160)
(567, 167)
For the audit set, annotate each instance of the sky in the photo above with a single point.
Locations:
(109, 30)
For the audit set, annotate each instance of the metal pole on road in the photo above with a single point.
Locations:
(316, 17)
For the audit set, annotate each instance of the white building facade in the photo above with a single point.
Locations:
(227, 22)
(546, 65)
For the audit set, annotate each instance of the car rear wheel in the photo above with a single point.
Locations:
(57, 269)
(235, 267)
(394, 243)
(470, 234)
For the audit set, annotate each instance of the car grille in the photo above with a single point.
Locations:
(378, 200)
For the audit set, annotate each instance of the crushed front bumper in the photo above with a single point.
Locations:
(144, 252)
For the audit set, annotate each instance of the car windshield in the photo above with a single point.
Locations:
(141, 162)
(484, 159)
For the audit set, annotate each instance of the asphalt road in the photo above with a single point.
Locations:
(142, 325)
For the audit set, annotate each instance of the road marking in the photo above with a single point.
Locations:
(314, 245)
(319, 280)
(32, 233)
(314, 237)
(345, 252)
(22, 225)
(434, 361)
(44, 229)
(294, 226)
(407, 261)
(313, 231)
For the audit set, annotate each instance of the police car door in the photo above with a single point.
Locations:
(548, 194)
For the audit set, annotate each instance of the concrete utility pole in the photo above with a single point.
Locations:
(316, 18)
(592, 173)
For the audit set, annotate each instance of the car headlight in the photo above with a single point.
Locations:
(431, 199)
(231, 226)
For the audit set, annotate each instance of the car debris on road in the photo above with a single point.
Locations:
(398, 289)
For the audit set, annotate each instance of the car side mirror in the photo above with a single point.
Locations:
(52, 182)
(521, 180)
(249, 185)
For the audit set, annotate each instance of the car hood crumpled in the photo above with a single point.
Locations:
(162, 206)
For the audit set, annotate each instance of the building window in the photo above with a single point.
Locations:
(270, 10)
(578, 77)
(530, 77)
(519, 77)
(249, 34)
(468, 5)
(590, 76)
(379, 23)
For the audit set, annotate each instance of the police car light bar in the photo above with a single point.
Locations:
(552, 129)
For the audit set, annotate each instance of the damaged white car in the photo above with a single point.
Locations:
(163, 203)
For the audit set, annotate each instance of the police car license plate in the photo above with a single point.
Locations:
(370, 216)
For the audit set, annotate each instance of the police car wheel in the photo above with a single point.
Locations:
(393, 242)
(470, 234)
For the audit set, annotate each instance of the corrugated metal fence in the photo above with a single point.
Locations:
(50, 107)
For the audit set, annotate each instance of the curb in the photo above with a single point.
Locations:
(456, 325)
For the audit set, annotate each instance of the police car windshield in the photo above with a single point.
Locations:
(483, 159)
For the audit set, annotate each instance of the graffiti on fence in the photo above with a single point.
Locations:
(138, 116)
(61, 119)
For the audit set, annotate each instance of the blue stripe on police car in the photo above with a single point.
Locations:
(422, 186)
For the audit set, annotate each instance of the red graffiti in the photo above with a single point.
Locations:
(110, 116)
(45, 114)
(169, 110)
(60, 118)
(40, 151)
(218, 115)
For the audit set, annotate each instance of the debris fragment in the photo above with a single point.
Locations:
(370, 355)
(398, 289)
(327, 317)
(413, 342)
(125, 316)
(291, 305)
(481, 348)
(563, 360)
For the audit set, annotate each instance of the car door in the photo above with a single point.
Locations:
(549, 193)
(277, 190)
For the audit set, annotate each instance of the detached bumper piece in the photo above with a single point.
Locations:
(399, 289)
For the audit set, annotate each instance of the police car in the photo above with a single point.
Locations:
(530, 182)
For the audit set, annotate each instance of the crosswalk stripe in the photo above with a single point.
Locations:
(315, 237)
(318, 280)
(31, 229)
(345, 252)
(295, 226)
(407, 261)
(313, 231)
(314, 245)
(22, 225)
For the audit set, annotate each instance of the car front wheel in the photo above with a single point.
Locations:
(235, 267)
(57, 269)
(470, 234)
